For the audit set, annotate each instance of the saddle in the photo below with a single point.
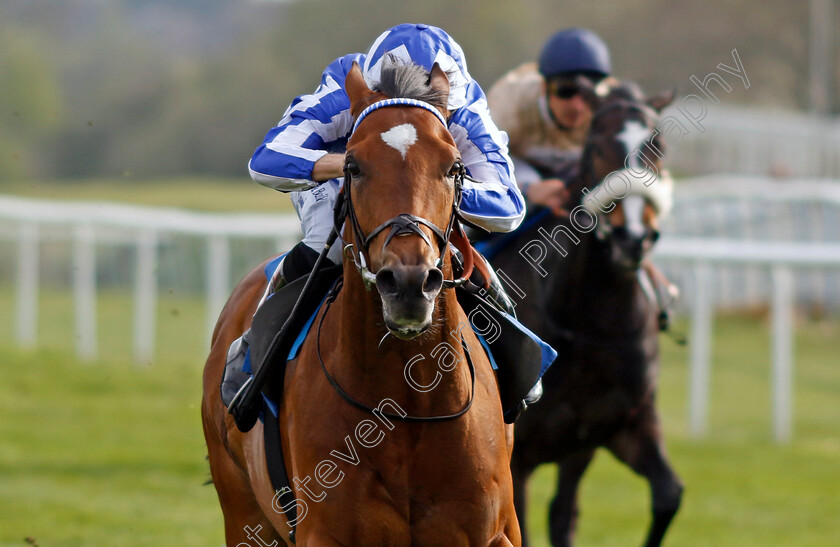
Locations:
(517, 355)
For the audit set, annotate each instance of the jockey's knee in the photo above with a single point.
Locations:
(298, 262)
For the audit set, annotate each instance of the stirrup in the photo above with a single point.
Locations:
(535, 394)
(238, 395)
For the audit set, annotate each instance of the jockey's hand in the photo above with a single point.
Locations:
(551, 193)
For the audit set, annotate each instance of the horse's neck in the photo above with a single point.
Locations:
(380, 360)
(590, 293)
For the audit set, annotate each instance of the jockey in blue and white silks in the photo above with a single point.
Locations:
(320, 123)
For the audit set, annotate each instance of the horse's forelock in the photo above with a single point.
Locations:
(625, 91)
(409, 81)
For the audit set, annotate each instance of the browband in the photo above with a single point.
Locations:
(399, 102)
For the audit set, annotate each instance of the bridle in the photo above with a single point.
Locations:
(604, 232)
(402, 224)
(370, 410)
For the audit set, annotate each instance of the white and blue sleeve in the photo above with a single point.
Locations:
(312, 126)
(495, 203)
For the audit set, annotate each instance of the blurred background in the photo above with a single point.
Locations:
(127, 215)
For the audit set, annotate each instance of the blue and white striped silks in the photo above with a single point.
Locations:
(319, 123)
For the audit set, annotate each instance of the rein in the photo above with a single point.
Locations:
(402, 224)
(365, 408)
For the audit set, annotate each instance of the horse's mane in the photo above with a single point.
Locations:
(408, 80)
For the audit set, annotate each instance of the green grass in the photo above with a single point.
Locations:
(111, 453)
(205, 194)
(742, 489)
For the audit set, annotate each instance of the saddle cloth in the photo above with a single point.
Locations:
(517, 355)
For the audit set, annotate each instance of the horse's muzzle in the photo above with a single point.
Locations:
(408, 297)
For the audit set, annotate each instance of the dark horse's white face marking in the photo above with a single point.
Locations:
(630, 199)
(632, 136)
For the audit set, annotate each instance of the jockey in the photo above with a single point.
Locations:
(546, 118)
(305, 154)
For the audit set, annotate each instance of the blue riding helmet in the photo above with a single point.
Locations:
(574, 50)
(423, 45)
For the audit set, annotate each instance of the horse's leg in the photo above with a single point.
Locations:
(244, 520)
(520, 476)
(564, 507)
(643, 450)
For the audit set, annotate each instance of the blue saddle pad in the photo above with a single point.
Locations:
(494, 244)
(269, 270)
(547, 353)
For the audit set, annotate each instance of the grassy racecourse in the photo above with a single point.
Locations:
(111, 453)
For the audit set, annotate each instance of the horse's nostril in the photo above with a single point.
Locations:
(386, 282)
(409, 281)
(433, 281)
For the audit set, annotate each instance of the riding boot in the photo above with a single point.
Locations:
(665, 293)
(298, 261)
(235, 377)
(497, 295)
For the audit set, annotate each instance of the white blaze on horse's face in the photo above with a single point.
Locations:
(634, 209)
(400, 137)
(632, 136)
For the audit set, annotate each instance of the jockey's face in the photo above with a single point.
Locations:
(567, 105)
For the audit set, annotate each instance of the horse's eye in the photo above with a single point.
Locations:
(455, 170)
(352, 168)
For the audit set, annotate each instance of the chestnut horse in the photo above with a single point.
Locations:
(583, 289)
(395, 340)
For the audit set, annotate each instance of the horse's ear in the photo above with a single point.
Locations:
(662, 100)
(355, 86)
(439, 82)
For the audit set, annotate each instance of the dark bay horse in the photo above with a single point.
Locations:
(396, 341)
(581, 286)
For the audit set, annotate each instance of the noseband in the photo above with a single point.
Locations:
(402, 224)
